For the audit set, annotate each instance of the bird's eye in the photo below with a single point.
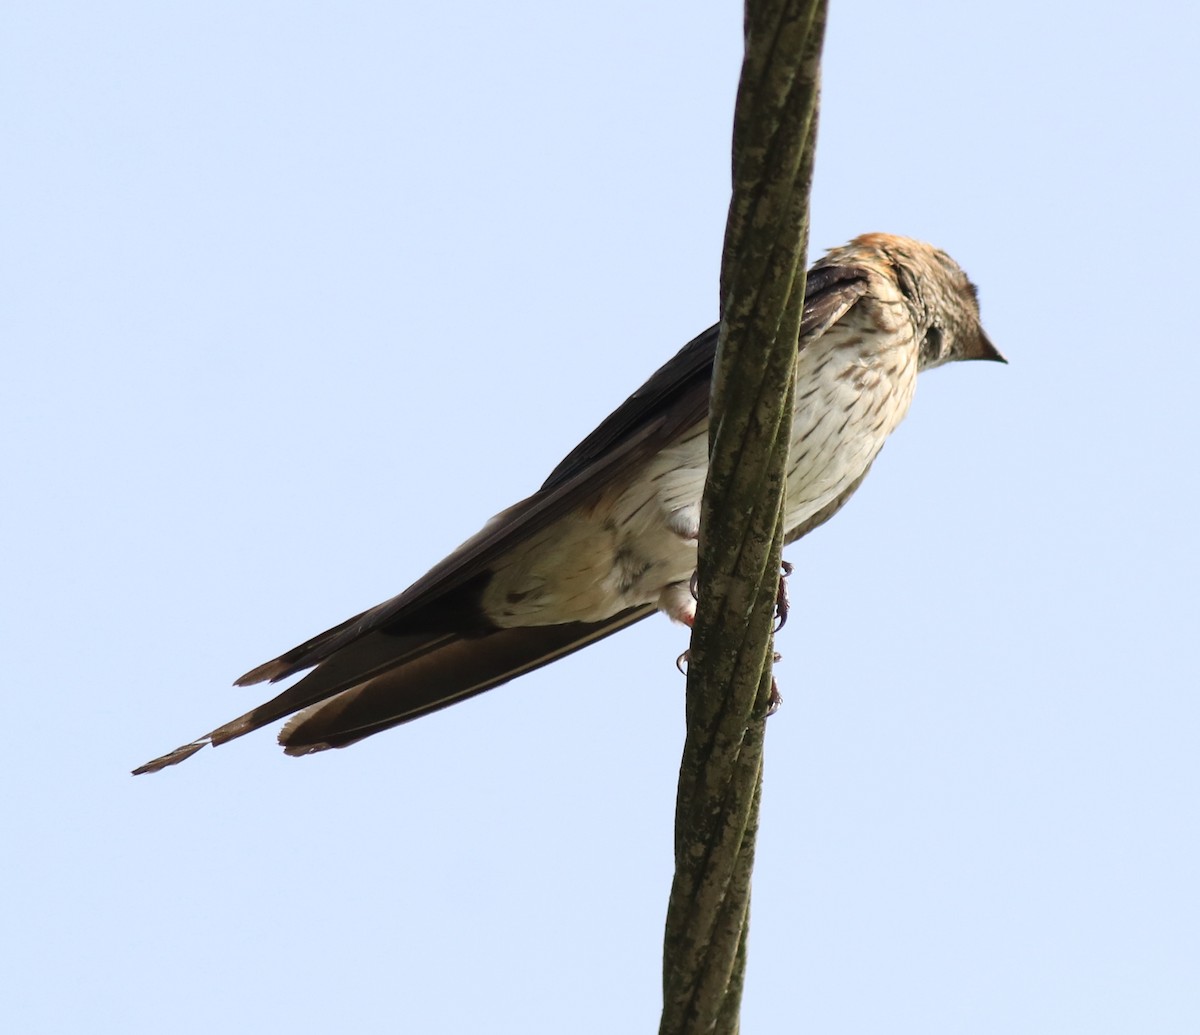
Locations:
(931, 347)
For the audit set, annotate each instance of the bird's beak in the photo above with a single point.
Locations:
(982, 348)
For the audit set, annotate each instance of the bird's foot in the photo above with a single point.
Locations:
(774, 700)
(781, 597)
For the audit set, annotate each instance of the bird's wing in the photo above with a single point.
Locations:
(674, 398)
(389, 664)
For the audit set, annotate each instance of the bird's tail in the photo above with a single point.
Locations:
(383, 679)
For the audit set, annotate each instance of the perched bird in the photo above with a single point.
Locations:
(611, 535)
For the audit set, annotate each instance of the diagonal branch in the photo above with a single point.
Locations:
(741, 525)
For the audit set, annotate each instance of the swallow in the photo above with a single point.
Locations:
(610, 537)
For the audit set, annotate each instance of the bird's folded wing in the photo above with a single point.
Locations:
(393, 663)
(674, 398)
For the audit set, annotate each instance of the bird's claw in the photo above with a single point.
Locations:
(781, 597)
(774, 700)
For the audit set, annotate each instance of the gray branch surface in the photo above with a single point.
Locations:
(741, 530)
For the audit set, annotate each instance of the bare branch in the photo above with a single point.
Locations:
(741, 530)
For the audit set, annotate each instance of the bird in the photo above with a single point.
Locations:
(610, 537)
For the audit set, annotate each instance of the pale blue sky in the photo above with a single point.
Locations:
(295, 296)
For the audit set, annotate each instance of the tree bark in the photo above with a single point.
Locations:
(741, 524)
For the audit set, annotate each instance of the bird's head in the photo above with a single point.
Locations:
(943, 301)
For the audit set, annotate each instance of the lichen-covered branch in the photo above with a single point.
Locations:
(741, 531)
